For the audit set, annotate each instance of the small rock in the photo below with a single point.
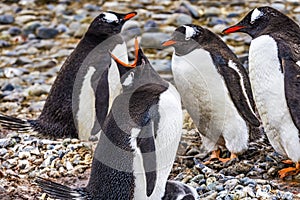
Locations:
(151, 26)
(192, 9)
(153, 40)
(14, 31)
(8, 87)
(230, 184)
(10, 72)
(3, 151)
(46, 33)
(178, 19)
(37, 90)
(61, 28)
(4, 43)
(6, 19)
(31, 27)
(81, 30)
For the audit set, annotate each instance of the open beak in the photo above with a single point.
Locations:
(133, 65)
(168, 43)
(232, 29)
(129, 16)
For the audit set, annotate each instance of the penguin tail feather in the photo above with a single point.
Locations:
(56, 190)
(15, 124)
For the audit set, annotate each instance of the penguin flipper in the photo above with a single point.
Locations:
(56, 190)
(292, 88)
(146, 143)
(15, 124)
(234, 82)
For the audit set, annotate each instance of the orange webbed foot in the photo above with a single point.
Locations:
(225, 160)
(214, 155)
(289, 171)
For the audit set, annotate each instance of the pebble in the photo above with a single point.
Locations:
(13, 31)
(46, 33)
(36, 40)
(178, 19)
(6, 19)
(153, 40)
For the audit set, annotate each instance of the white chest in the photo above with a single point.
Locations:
(267, 83)
(166, 144)
(86, 110)
(202, 88)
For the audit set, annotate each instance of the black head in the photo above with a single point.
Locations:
(108, 23)
(186, 38)
(139, 73)
(259, 21)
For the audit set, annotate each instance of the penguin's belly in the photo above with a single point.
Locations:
(207, 100)
(267, 82)
(166, 143)
(86, 109)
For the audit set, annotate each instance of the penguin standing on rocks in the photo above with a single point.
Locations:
(88, 78)
(137, 148)
(274, 70)
(214, 88)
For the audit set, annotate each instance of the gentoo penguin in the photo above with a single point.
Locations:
(86, 79)
(274, 70)
(137, 148)
(214, 88)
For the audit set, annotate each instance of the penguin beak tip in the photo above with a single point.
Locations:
(168, 43)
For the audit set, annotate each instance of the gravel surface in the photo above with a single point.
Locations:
(35, 39)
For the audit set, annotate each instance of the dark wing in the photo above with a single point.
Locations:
(237, 87)
(292, 88)
(146, 143)
(56, 190)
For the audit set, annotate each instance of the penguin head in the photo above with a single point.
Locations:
(186, 38)
(258, 21)
(139, 73)
(108, 23)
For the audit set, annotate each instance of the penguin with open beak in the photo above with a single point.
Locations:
(214, 88)
(137, 148)
(87, 83)
(274, 70)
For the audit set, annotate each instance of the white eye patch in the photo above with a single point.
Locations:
(256, 14)
(189, 32)
(110, 17)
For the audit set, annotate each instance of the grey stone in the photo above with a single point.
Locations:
(151, 26)
(4, 43)
(153, 40)
(13, 31)
(31, 27)
(6, 19)
(183, 19)
(46, 33)
(161, 66)
(192, 9)
(3, 151)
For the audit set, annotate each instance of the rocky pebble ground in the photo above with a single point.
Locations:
(36, 36)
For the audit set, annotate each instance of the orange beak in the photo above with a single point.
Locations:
(133, 65)
(130, 15)
(168, 43)
(232, 29)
